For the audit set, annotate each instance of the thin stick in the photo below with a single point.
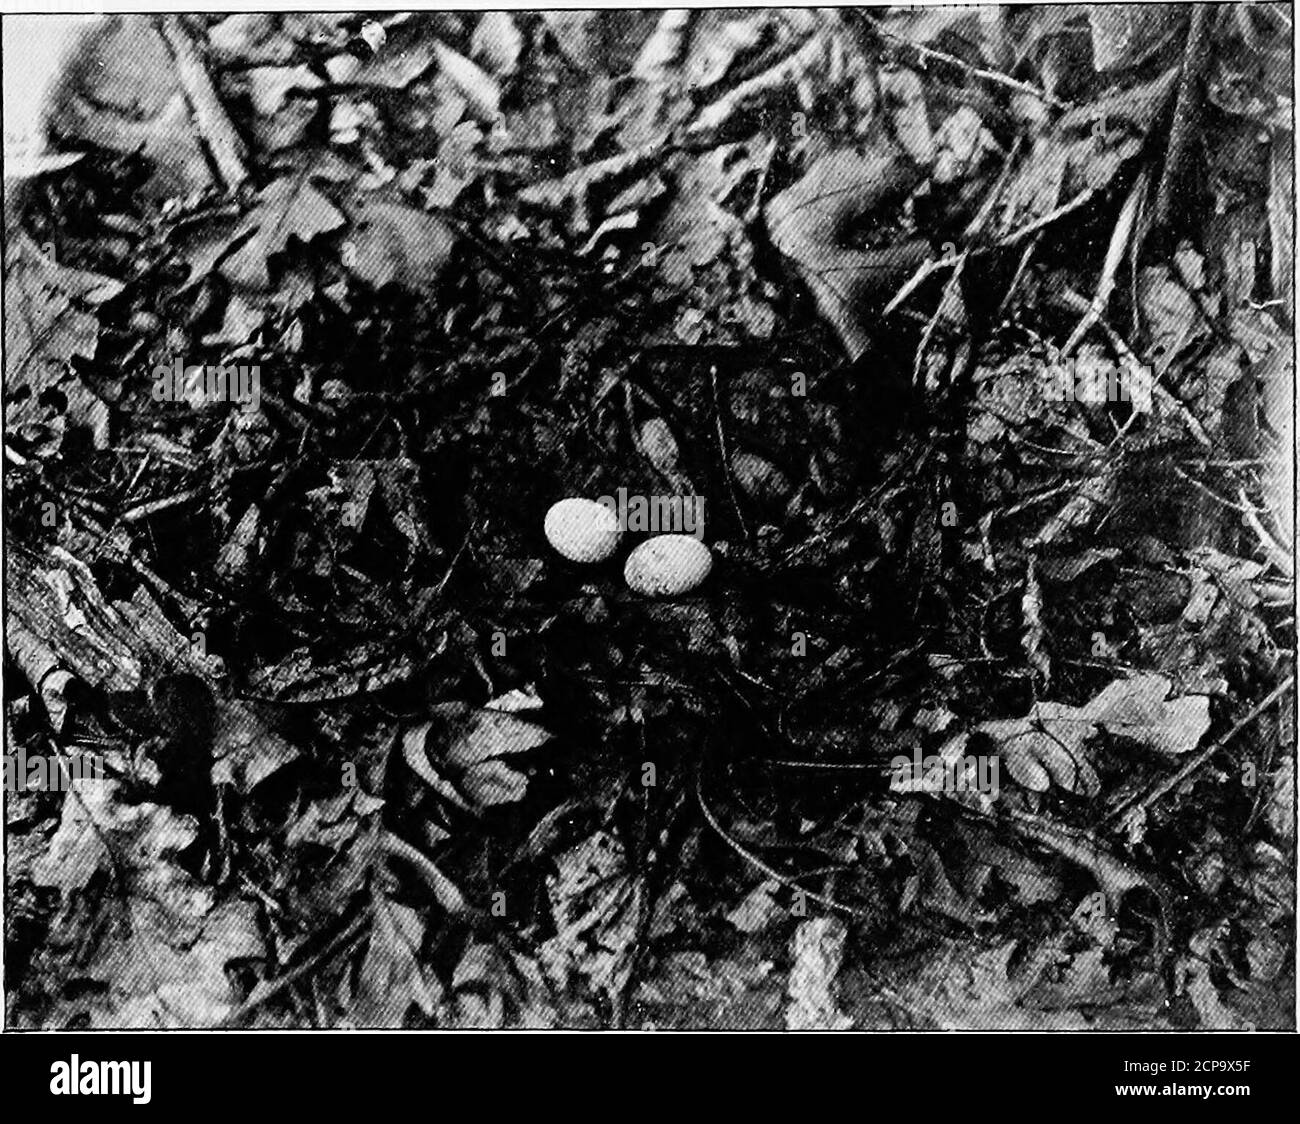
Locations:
(789, 883)
(1174, 780)
(445, 891)
(210, 118)
(1158, 389)
(1276, 552)
(1084, 196)
(924, 270)
(1021, 267)
(1183, 128)
(145, 510)
(722, 451)
(771, 871)
(341, 945)
(1119, 241)
(994, 76)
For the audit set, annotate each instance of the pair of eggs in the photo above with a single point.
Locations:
(665, 566)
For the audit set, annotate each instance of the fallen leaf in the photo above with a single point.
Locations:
(49, 319)
(817, 953)
(497, 43)
(593, 905)
(270, 86)
(393, 68)
(483, 734)
(1124, 36)
(759, 909)
(392, 979)
(245, 749)
(494, 782)
(395, 244)
(480, 89)
(723, 37)
(287, 208)
(123, 95)
(77, 851)
(1138, 708)
(162, 942)
(809, 223)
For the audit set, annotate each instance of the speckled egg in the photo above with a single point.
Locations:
(582, 530)
(668, 566)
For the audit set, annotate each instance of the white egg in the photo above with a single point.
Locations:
(668, 566)
(582, 530)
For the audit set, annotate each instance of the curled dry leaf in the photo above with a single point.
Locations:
(1031, 607)
(818, 951)
(392, 978)
(497, 43)
(762, 481)
(480, 89)
(659, 446)
(469, 744)
(396, 244)
(1048, 745)
(809, 223)
(663, 47)
(158, 956)
(287, 208)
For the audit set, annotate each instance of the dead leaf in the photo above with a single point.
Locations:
(817, 953)
(658, 445)
(574, 35)
(904, 97)
(288, 208)
(393, 67)
(124, 96)
(809, 222)
(392, 978)
(395, 244)
(759, 909)
(497, 43)
(1124, 36)
(270, 86)
(1138, 708)
(57, 616)
(162, 944)
(245, 749)
(49, 318)
(593, 901)
(663, 48)
(77, 851)
(482, 734)
(1034, 635)
(1280, 808)
(250, 38)
(468, 742)
(480, 89)
(721, 39)
(494, 782)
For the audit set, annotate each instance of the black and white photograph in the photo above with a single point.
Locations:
(701, 519)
